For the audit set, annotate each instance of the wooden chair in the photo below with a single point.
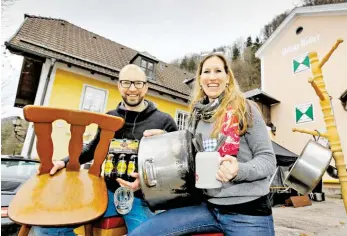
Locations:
(71, 196)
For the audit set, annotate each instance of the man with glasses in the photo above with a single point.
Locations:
(142, 118)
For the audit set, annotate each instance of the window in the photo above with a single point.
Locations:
(343, 99)
(181, 119)
(93, 99)
(299, 30)
(148, 68)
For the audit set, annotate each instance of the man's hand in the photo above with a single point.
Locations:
(152, 132)
(133, 185)
(57, 165)
(228, 169)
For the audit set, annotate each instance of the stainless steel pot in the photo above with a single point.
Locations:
(309, 168)
(166, 169)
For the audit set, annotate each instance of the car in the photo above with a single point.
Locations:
(15, 170)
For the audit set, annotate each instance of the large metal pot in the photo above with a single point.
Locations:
(166, 169)
(309, 168)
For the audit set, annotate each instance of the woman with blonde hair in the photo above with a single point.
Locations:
(241, 206)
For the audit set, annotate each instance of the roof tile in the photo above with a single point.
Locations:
(67, 42)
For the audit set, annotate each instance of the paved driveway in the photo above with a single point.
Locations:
(322, 218)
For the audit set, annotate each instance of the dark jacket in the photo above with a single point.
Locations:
(135, 124)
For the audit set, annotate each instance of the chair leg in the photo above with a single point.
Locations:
(88, 230)
(24, 230)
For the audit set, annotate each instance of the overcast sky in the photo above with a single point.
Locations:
(167, 29)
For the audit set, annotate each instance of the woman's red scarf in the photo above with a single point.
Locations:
(230, 128)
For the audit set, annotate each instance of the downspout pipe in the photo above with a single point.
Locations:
(48, 78)
(53, 60)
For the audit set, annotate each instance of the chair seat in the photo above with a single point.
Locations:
(66, 198)
(110, 222)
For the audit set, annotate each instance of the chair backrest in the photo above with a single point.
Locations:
(43, 117)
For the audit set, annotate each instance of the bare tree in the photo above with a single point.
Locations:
(320, 2)
(5, 18)
(273, 25)
(176, 62)
(9, 73)
(6, 3)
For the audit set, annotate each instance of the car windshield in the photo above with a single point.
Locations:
(22, 169)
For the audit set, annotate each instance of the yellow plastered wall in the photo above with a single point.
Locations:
(66, 93)
(166, 106)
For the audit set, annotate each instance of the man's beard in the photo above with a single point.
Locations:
(132, 104)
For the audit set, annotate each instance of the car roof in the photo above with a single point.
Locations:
(18, 158)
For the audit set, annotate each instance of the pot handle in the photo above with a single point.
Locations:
(149, 173)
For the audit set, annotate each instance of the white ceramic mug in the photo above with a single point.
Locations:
(206, 168)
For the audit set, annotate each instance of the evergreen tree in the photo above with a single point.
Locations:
(257, 42)
(184, 63)
(236, 52)
(191, 65)
(249, 42)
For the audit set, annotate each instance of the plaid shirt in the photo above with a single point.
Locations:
(210, 144)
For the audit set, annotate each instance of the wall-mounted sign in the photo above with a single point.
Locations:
(302, 44)
(301, 63)
(304, 113)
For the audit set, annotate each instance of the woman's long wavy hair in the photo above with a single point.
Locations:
(232, 97)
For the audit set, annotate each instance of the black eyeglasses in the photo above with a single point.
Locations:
(128, 83)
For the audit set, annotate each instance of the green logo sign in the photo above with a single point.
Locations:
(301, 63)
(304, 113)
